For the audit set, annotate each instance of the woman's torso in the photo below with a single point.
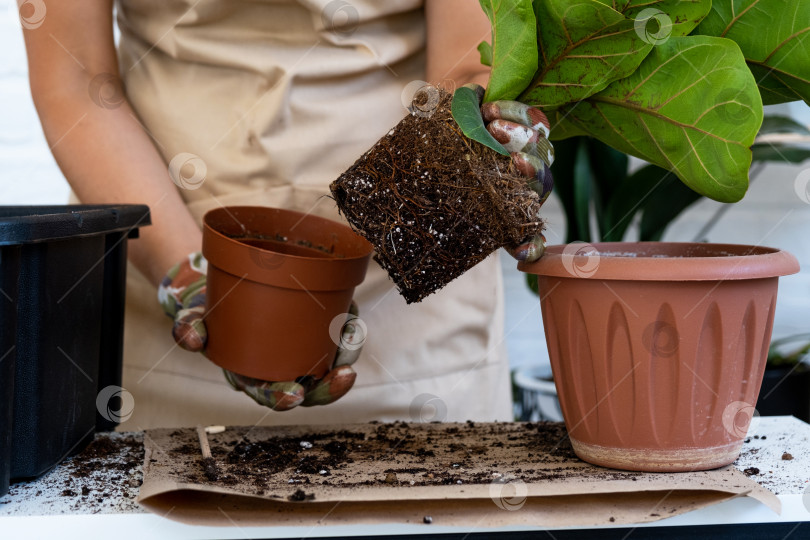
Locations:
(276, 98)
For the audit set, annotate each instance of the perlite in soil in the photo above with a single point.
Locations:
(433, 202)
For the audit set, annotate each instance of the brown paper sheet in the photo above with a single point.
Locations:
(472, 475)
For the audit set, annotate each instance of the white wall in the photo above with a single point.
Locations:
(771, 213)
(28, 173)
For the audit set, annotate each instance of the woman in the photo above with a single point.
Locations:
(263, 103)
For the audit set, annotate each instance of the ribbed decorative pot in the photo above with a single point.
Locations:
(658, 349)
(277, 281)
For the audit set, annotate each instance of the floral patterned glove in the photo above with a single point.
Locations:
(523, 131)
(182, 296)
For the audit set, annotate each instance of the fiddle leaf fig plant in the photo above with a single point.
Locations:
(774, 36)
(691, 107)
(679, 84)
(513, 55)
(586, 44)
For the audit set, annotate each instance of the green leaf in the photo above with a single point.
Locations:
(771, 89)
(666, 202)
(467, 114)
(783, 152)
(609, 169)
(562, 129)
(774, 36)
(485, 50)
(562, 170)
(773, 123)
(692, 107)
(586, 44)
(629, 198)
(583, 46)
(582, 197)
(514, 47)
(531, 282)
(683, 15)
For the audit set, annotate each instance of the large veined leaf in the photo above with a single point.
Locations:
(692, 107)
(584, 45)
(683, 15)
(514, 47)
(774, 36)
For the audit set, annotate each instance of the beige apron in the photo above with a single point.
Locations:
(278, 97)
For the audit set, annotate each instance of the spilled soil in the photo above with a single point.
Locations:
(284, 462)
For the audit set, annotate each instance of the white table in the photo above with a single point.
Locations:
(37, 509)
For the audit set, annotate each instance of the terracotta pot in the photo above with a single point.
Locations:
(658, 348)
(277, 280)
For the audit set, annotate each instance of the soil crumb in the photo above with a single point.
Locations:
(300, 495)
(102, 478)
(210, 469)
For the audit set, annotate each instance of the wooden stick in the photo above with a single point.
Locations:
(206, 449)
(209, 465)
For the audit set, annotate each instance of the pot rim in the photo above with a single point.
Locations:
(662, 261)
(228, 254)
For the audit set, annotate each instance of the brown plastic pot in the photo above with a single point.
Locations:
(658, 349)
(276, 281)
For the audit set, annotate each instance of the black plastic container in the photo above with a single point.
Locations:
(62, 274)
(788, 392)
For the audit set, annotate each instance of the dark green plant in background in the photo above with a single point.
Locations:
(779, 358)
(592, 178)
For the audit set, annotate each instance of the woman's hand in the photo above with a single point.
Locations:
(523, 131)
(182, 296)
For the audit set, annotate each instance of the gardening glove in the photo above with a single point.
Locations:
(182, 296)
(523, 131)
